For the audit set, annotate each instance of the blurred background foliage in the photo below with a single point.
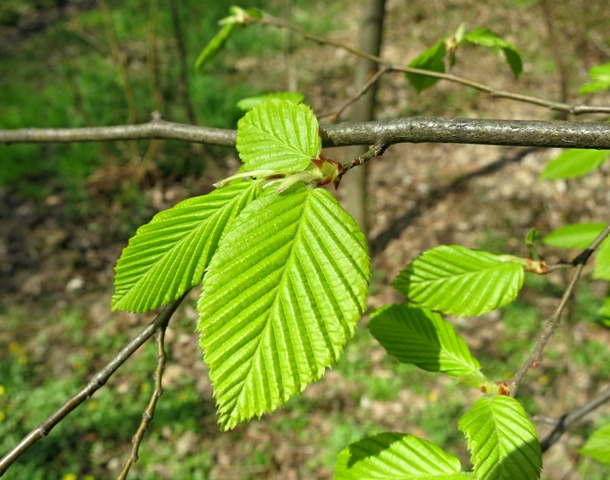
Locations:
(68, 209)
(66, 64)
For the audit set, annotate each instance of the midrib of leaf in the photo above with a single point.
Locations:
(276, 303)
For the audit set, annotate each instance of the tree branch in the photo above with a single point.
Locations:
(523, 133)
(569, 419)
(552, 322)
(99, 380)
(149, 413)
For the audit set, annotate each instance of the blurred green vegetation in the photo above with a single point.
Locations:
(67, 76)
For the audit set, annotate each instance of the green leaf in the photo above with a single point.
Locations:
(213, 47)
(574, 163)
(419, 336)
(168, 255)
(600, 79)
(579, 235)
(460, 281)
(281, 297)
(395, 456)
(602, 261)
(486, 38)
(502, 441)
(251, 102)
(278, 135)
(432, 59)
(598, 445)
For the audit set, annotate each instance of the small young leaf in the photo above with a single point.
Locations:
(460, 281)
(598, 445)
(600, 79)
(281, 297)
(390, 456)
(213, 47)
(579, 235)
(278, 135)
(168, 255)
(501, 439)
(419, 336)
(241, 16)
(432, 59)
(251, 102)
(574, 163)
(485, 37)
(602, 261)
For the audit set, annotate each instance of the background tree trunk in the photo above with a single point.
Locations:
(355, 194)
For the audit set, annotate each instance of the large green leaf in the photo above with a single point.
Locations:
(574, 163)
(419, 336)
(502, 441)
(460, 281)
(392, 456)
(598, 445)
(486, 38)
(432, 59)
(281, 297)
(168, 255)
(278, 135)
(578, 235)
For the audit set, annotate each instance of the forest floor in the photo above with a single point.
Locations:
(56, 272)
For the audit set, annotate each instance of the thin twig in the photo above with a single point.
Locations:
(493, 92)
(151, 55)
(551, 323)
(569, 419)
(360, 93)
(182, 79)
(475, 131)
(119, 60)
(375, 151)
(149, 413)
(98, 380)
